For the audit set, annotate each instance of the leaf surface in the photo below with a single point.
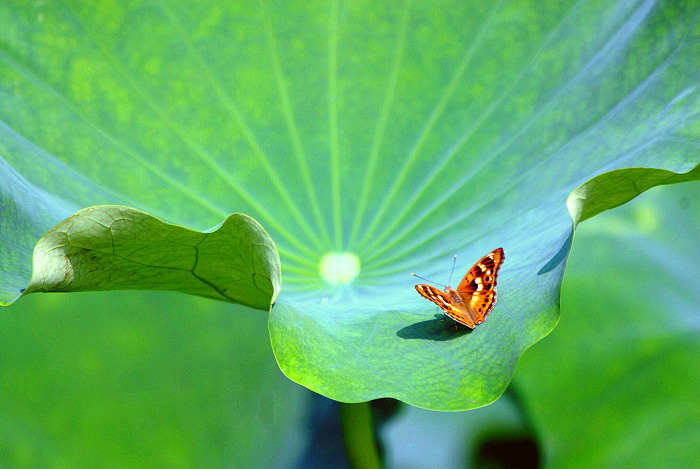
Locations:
(119, 248)
(391, 136)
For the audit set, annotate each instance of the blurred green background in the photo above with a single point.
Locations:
(142, 379)
(157, 379)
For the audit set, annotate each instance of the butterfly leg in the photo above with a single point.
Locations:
(455, 325)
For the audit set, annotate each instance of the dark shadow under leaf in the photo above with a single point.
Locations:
(560, 256)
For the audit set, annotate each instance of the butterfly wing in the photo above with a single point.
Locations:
(478, 287)
(445, 303)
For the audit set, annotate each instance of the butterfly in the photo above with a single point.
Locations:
(475, 295)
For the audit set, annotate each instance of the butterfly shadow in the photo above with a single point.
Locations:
(440, 329)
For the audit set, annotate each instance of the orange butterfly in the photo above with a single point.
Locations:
(475, 296)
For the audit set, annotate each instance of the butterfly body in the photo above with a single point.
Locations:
(474, 297)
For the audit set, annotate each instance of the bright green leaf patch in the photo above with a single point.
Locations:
(118, 248)
(399, 352)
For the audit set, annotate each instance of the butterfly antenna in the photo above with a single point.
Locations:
(429, 281)
(453, 269)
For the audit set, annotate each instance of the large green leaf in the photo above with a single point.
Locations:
(117, 248)
(620, 373)
(370, 140)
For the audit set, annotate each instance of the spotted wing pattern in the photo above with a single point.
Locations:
(445, 303)
(478, 287)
